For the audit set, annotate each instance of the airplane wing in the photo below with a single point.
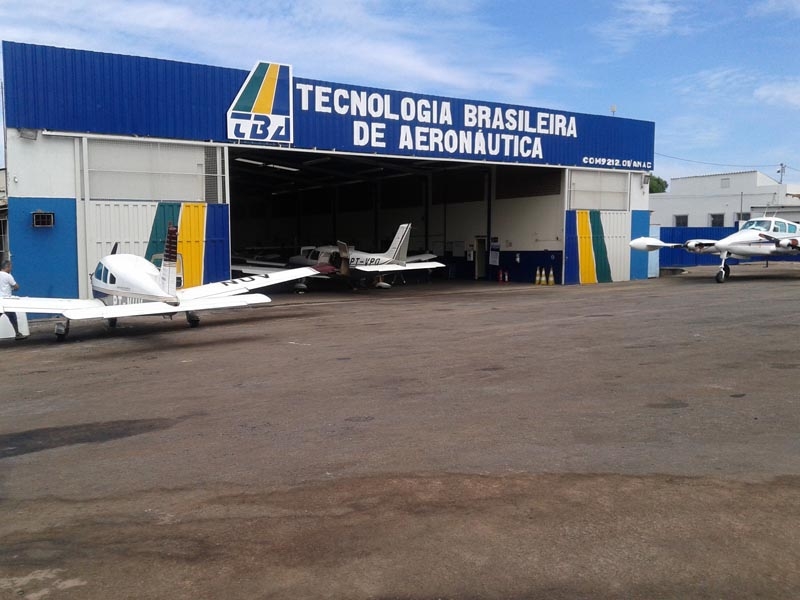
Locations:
(242, 285)
(47, 306)
(257, 269)
(647, 244)
(783, 241)
(251, 269)
(77, 309)
(392, 268)
(420, 257)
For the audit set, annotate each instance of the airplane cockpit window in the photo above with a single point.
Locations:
(105, 275)
(791, 228)
(780, 226)
(98, 272)
(111, 279)
(314, 255)
(758, 225)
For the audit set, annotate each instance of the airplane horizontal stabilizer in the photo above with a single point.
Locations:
(392, 268)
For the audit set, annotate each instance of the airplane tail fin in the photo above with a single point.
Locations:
(398, 251)
(344, 257)
(168, 273)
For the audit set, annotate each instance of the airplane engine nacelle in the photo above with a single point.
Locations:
(694, 246)
(789, 243)
(646, 244)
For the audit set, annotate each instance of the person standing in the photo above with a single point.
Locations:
(8, 285)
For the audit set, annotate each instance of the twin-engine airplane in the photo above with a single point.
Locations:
(356, 264)
(763, 236)
(126, 285)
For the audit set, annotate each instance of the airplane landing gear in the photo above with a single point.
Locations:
(61, 330)
(724, 270)
(192, 318)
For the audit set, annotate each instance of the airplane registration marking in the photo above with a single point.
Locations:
(247, 279)
(355, 261)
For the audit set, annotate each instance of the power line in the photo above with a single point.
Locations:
(722, 164)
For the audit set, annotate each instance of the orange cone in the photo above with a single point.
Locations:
(550, 279)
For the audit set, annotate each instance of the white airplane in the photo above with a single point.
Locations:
(353, 263)
(126, 285)
(762, 236)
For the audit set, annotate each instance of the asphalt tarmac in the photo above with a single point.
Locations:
(433, 441)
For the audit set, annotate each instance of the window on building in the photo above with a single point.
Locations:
(743, 216)
(681, 220)
(725, 182)
(717, 220)
(43, 219)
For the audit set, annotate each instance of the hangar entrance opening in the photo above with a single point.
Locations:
(283, 200)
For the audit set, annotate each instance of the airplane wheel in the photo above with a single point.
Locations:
(193, 319)
(60, 337)
(727, 270)
(720, 276)
(112, 322)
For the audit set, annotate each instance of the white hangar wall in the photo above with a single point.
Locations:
(107, 191)
(697, 198)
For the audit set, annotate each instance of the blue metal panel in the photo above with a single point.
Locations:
(217, 261)
(524, 271)
(677, 257)
(508, 134)
(45, 259)
(640, 227)
(572, 264)
(80, 91)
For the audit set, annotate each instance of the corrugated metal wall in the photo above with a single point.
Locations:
(678, 257)
(140, 228)
(217, 259)
(596, 246)
(115, 94)
(640, 226)
(109, 222)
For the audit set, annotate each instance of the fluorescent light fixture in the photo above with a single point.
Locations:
(282, 168)
(257, 163)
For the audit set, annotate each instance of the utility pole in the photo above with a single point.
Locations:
(782, 170)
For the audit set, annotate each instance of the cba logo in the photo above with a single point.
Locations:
(262, 110)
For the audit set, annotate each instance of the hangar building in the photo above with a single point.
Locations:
(104, 148)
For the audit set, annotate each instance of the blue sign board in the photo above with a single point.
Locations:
(80, 91)
(348, 118)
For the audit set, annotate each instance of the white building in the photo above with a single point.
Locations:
(723, 199)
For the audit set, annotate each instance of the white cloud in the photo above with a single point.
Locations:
(782, 94)
(718, 87)
(434, 46)
(691, 132)
(790, 8)
(634, 20)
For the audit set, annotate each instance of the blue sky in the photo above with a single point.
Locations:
(720, 79)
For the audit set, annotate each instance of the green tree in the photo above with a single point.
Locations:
(657, 185)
